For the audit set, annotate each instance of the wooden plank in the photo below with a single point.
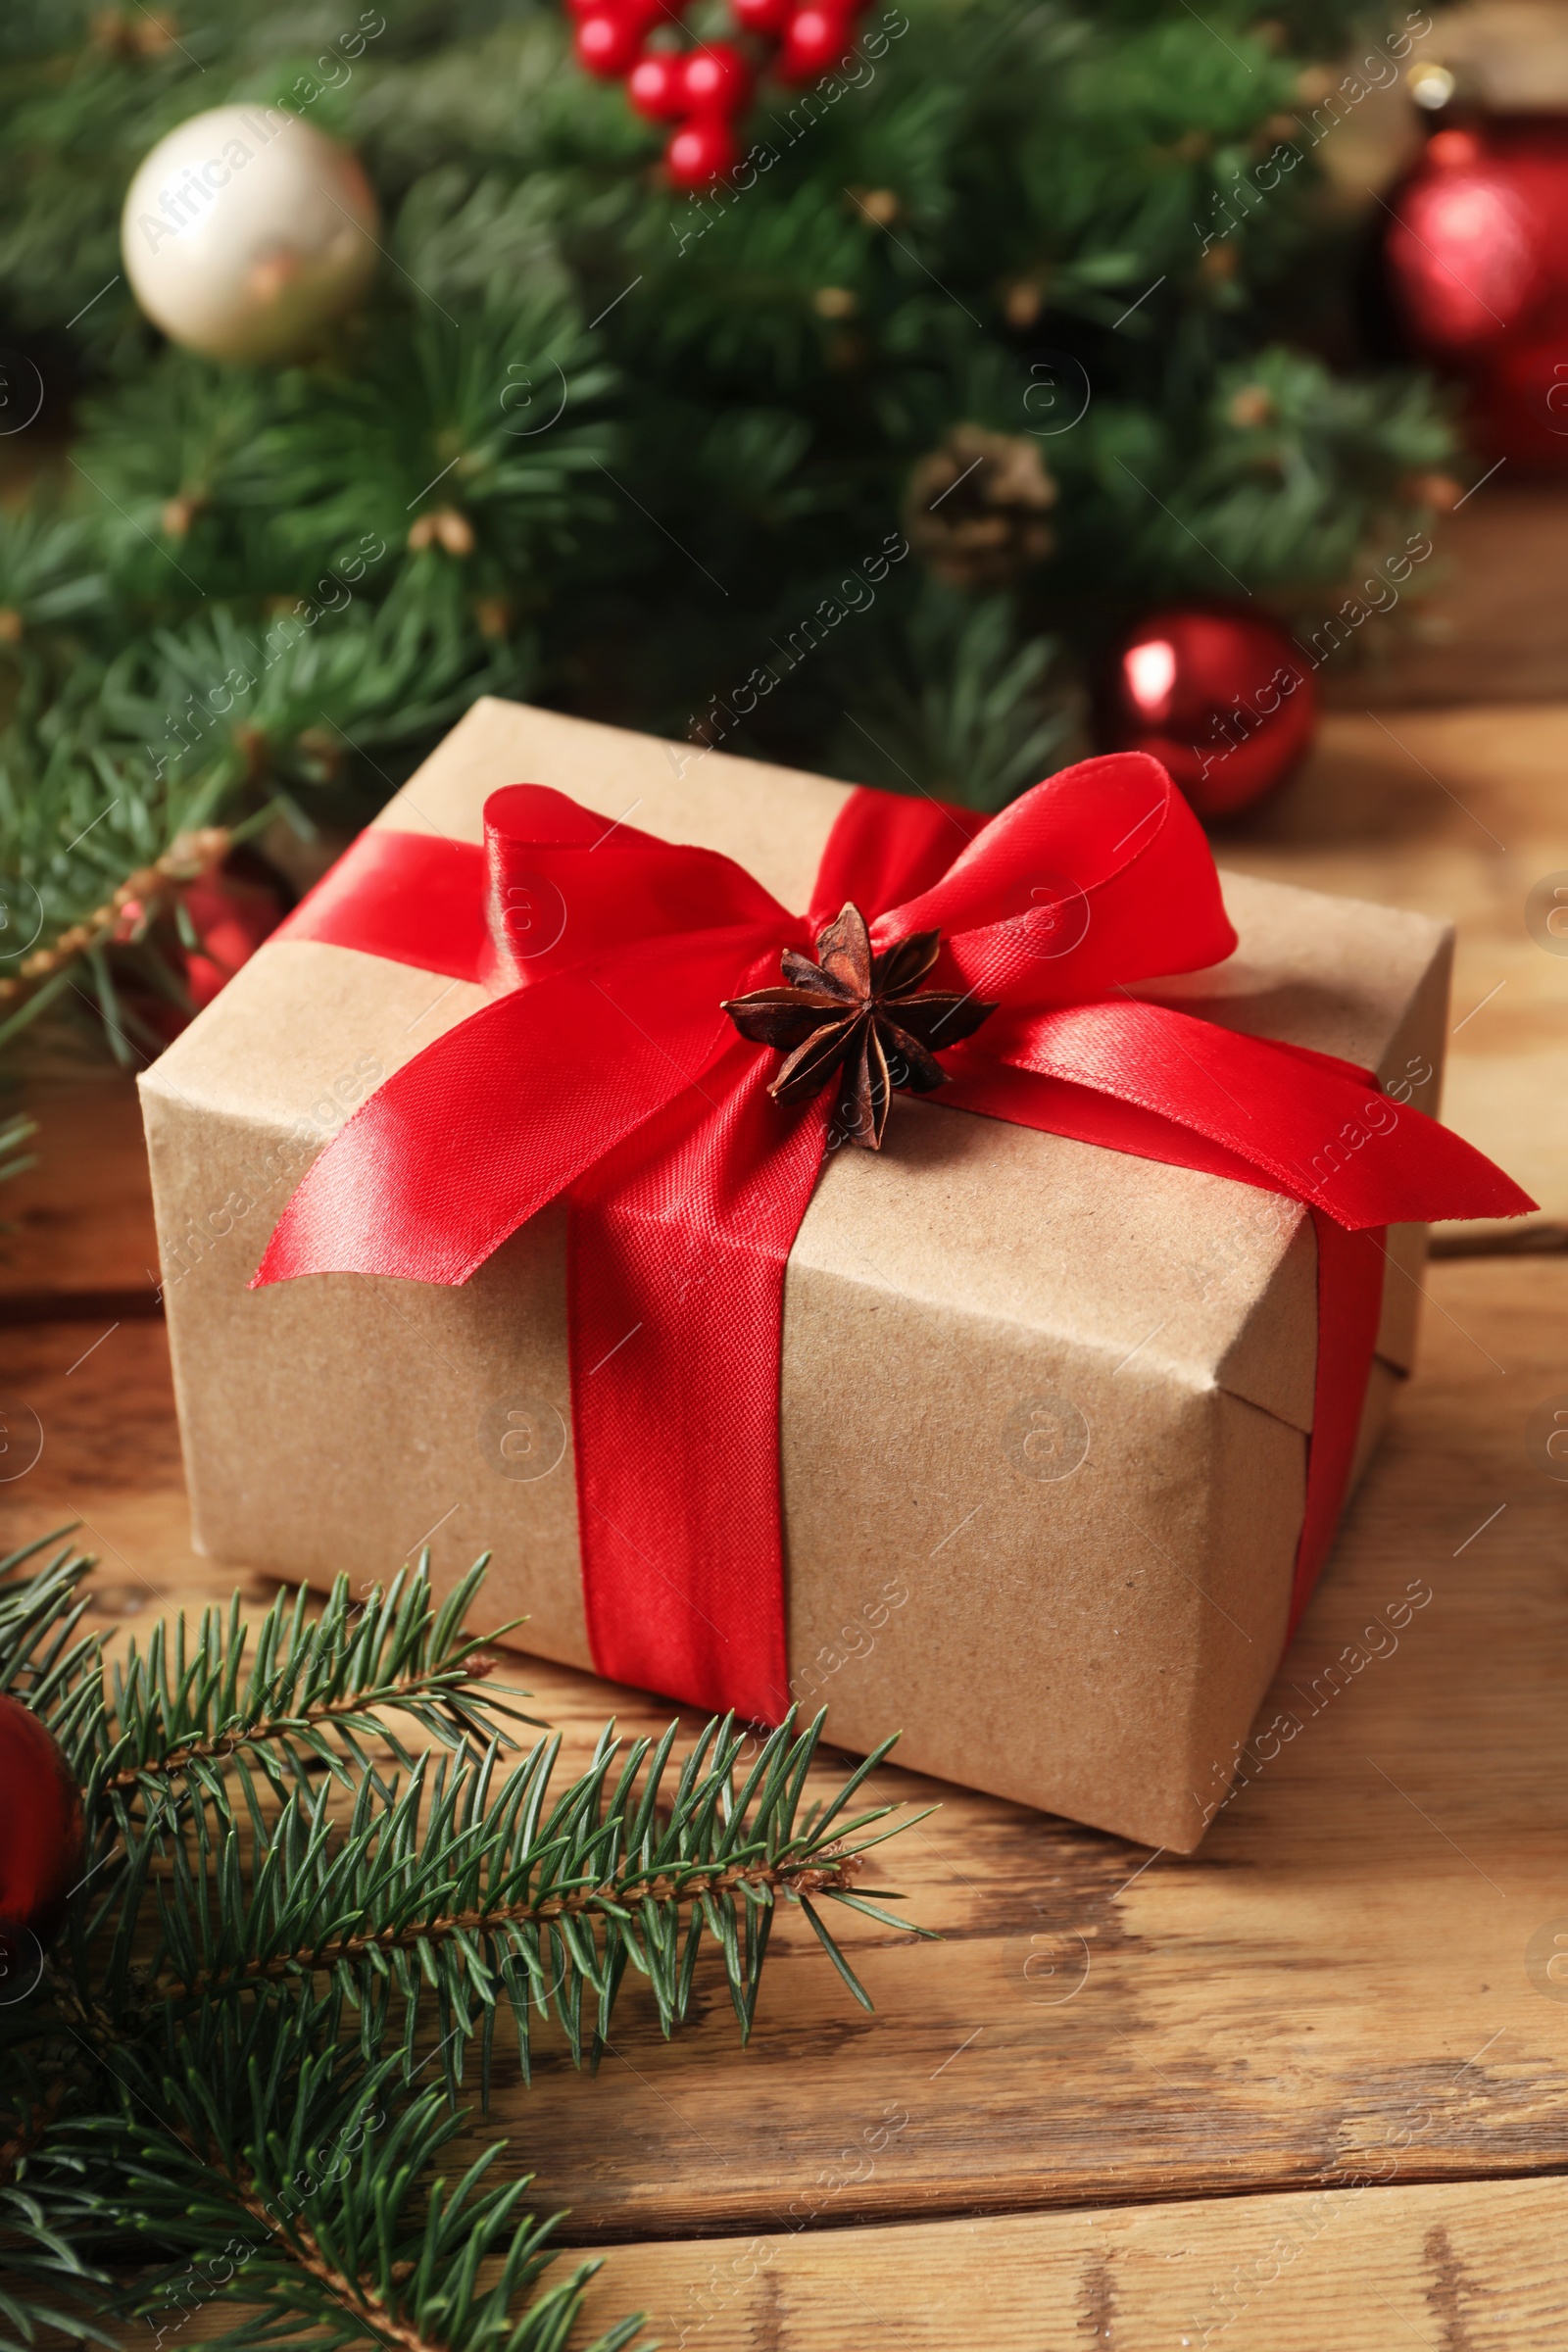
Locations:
(1354, 2264)
(1099, 2027)
(80, 1222)
(1488, 628)
(1458, 814)
(1362, 2268)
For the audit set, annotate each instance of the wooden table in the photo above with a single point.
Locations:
(1306, 2088)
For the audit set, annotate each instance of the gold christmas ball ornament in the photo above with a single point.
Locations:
(245, 231)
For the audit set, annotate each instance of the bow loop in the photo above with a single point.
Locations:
(1098, 876)
(564, 888)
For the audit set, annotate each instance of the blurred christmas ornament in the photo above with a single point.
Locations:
(203, 930)
(1477, 254)
(1224, 698)
(41, 1840)
(245, 231)
(230, 915)
(706, 87)
(977, 506)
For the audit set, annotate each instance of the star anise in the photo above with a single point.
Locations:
(862, 1014)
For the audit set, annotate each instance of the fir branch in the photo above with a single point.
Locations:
(40, 1661)
(143, 893)
(39, 2264)
(441, 1889)
(319, 1682)
(961, 709)
(306, 2199)
(211, 2062)
(47, 573)
(834, 1874)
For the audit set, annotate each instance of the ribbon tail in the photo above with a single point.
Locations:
(1350, 1269)
(676, 1273)
(1309, 1126)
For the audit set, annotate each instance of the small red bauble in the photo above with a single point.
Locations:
(1225, 698)
(818, 40)
(654, 86)
(701, 151)
(715, 79)
(41, 1834)
(609, 42)
(769, 18)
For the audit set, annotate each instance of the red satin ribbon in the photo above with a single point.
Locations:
(604, 1069)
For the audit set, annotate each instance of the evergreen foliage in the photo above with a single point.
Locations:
(636, 454)
(217, 2083)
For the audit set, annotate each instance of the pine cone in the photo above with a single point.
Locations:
(976, 507)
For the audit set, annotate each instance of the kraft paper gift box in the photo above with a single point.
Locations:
(1045, 1406)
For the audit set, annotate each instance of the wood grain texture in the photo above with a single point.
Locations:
(1489, 628)
(80, 1219)
(1361, 2268)
(1458, 814)
(1348, 1946)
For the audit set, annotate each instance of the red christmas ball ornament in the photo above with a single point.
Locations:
(766, 17)
(654, 86)
(42, 1840)
(609, 42)
(1225, 698)
(817, 40)
(714, 79)
(232, 916)
(1477, 257)
(700, 151)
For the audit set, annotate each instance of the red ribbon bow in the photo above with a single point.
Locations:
(606, 1070)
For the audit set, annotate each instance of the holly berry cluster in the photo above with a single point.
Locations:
(703, 89)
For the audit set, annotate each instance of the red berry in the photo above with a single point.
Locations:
(715, 79)
(41, 1837)
(654, 86)
(608, 43)
(701, 151)
(768, 17)
(818, 40)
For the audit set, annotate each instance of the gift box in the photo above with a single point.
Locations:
(1041, 1427)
